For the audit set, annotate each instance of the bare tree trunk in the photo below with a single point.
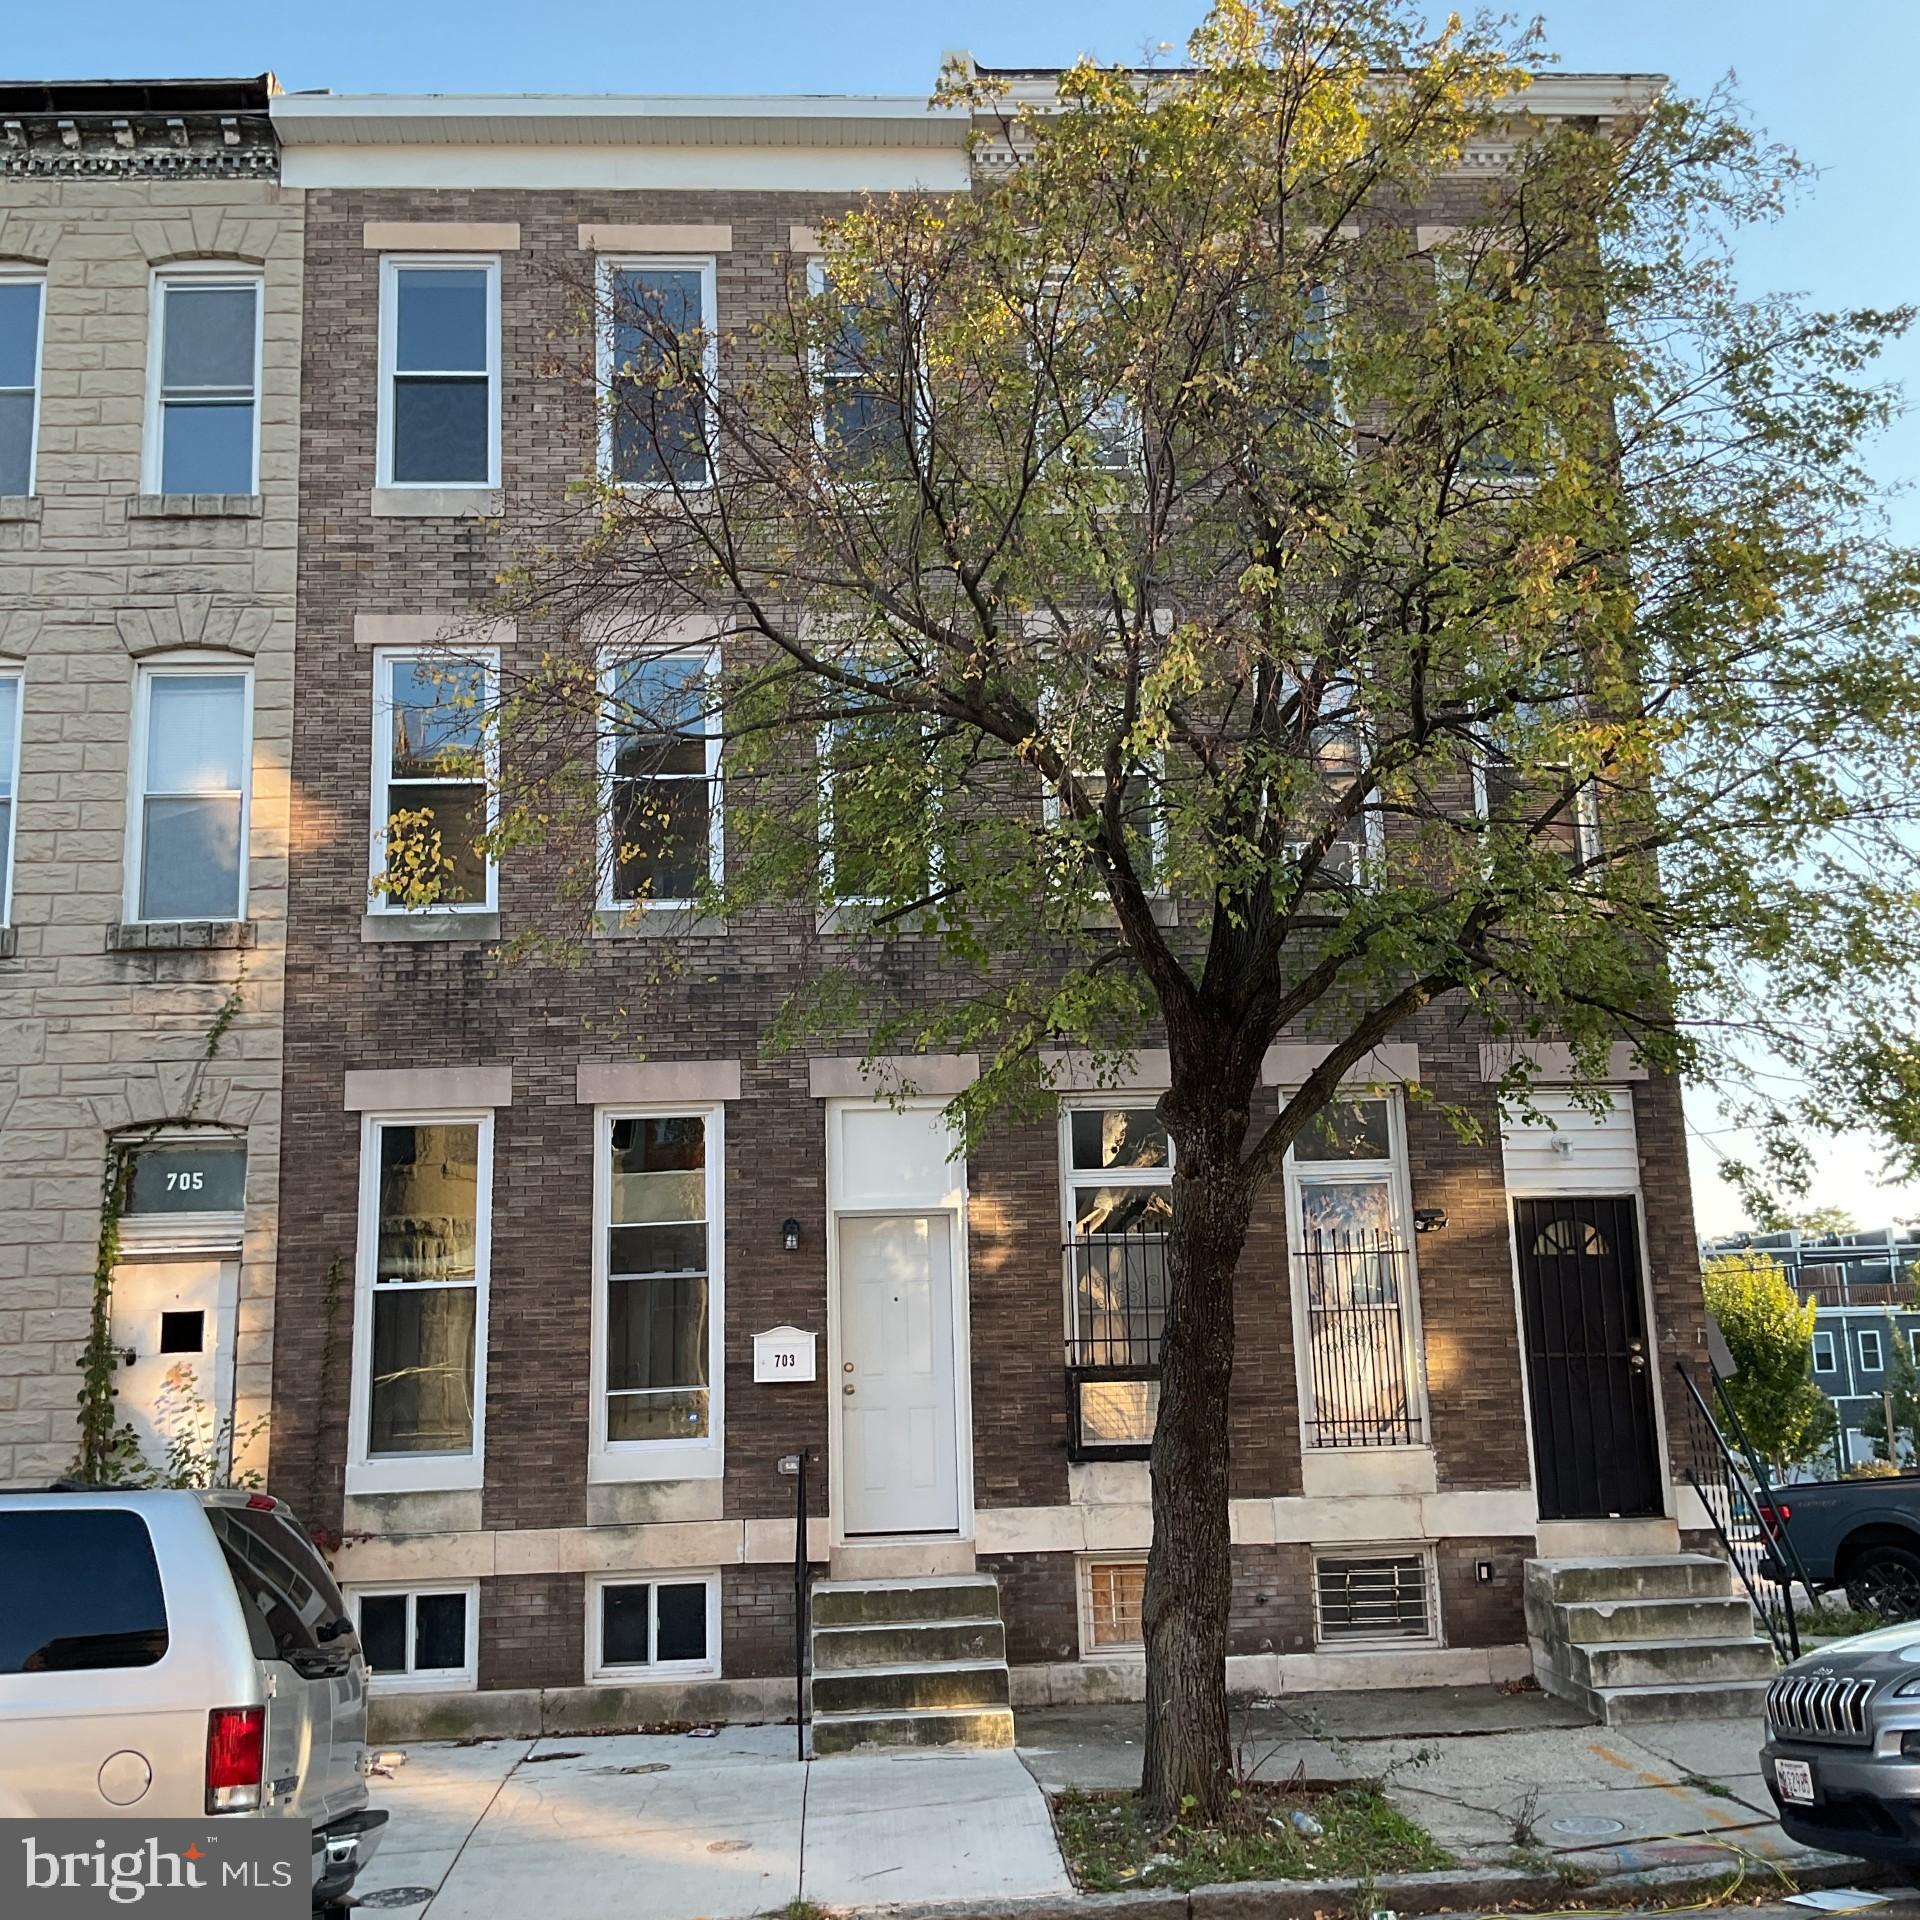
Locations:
(1189, 1763)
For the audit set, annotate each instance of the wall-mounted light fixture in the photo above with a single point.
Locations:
(1429, 1219)
(790, 1234)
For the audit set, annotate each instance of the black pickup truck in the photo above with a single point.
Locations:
(1863, 1535)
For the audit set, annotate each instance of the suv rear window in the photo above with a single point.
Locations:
(79, 1589)
(294, 1610)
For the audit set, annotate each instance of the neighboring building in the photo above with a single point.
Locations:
(523, 1267)
(1862, 1284)
(149, 365)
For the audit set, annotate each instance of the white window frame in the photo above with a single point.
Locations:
(820, 282)
(1133, 1651)
(462, 1679)
(640, 1460)
(417, 1472)
(1585, 810)
(597, 1668)
(1053, 814)
(606, 265)
(392, 265)
(1823, 1346)
(198, 273)
(32, 277)
(1435, 1636)
(707, 656)
(1398, 1175)
(13, 675)
(384, 660)
(196, 665)
(1879, 1361)
(835, 901)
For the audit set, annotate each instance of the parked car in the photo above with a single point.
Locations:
(177, 1655)
(1842, 1757)
(1863, 1535)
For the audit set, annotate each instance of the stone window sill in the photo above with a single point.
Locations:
(180, 936)
(196, 506)
(20, 506)
(417, 929)
(437, 503)
(661, 923)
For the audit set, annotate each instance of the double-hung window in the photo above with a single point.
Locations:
(431, 807)
(9, 782)
(420, 1335)
(1520, 792)
(1872, 1357)
(866, 393)
(1118, 1161)
(187, 832)
(439, 371)
(1357, 1323)
(877, 808)
(657, 1351)
(1823, 1361)
(661, 756)
(23, 302)
(657, 316)
(203, 383)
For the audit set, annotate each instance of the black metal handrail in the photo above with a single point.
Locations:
(1362, 1368)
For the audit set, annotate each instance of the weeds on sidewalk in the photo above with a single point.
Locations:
(1108, 1845)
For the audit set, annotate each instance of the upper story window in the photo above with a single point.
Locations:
(662, 769)
(1872, 1359)
(203, 383)
(9, 777)
(439, 371)
(877, 808)
(654, 431)
(1527, 797)
(187, 837)
(863, 423)
(430, 785)
(1823, 1353)
(23, 299)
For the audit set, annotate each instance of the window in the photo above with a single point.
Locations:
(657, 1351)
(1143, 821)
(1871, 1356)
(439, 372)
(431, 804)
(1374, 1599)
(1356, 1310)
(192, 746)
(185, 1176)
(23, 299)
(203, 383)
(79, 1590)
(10, 704)
(863, 421)
(883, 849)
(418, 1637)
(1119, 1205)
(1823, 1360)
(1110, 1596)
(654, 432)
(662, 748)
(1520, 794)
(653, 1628)
(421, 1333)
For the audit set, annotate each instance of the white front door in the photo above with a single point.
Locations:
(900, 1469)
(175, 1318)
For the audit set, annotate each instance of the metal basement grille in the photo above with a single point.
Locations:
(1380, 1597)
(1806, 1703)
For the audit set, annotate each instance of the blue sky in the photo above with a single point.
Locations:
(1832, 78)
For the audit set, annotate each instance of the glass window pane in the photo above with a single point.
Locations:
(657, 715)
(442, 322)
(1347, 1212)
(625, 1621)
(206, 447)
(1121, 1209)
(196, 724)
(79, 1589)
(1118, 1413)
(383, 1631)
(192, 1177)
(657, 437)
(422, 1395)
(646, 1196)
(434, 833)
(1119, 1137)
(666, 1413)
(208, 337)
(1346, 1130)
(16, 441)
(190, 860)
(439, 1632)
(19, 331)
(9, 729)
(429, 1202)
(662, 839)
(657, 1249)
(438, 714)
(440, 430)
(682, 1632)
(656, 1334)
(674, 1143)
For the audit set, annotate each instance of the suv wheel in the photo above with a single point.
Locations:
(1885, 1580)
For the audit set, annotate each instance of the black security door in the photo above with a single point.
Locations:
(1588, 1370)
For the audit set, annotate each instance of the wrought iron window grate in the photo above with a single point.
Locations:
(1361, 1367)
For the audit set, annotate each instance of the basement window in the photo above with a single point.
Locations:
(1111, 1593)
(418, 1637)
(1367, 1600)
(653, 1629)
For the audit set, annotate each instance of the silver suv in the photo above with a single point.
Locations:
(170, 1655)
(1842, 1758)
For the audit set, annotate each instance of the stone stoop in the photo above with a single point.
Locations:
(1653, 1637)
(909, 1663)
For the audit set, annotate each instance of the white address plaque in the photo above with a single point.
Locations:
(783, 1353)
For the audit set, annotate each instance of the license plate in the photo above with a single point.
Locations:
(1794, 1778)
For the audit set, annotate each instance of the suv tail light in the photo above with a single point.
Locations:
(236, 1758)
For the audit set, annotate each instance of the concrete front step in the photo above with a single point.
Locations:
(944, 1597)
(1654, 1663)
(1722, 1700)
(1654, 1576)
(953, 1727)
(1587, 1621)
(911, 1643)
(906, 1689)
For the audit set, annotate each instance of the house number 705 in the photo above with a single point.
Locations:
(186, 1182)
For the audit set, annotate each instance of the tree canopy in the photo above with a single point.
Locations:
(1769, 1332)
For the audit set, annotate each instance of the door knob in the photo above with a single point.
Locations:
(1636, 1356)
(847, 1389)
